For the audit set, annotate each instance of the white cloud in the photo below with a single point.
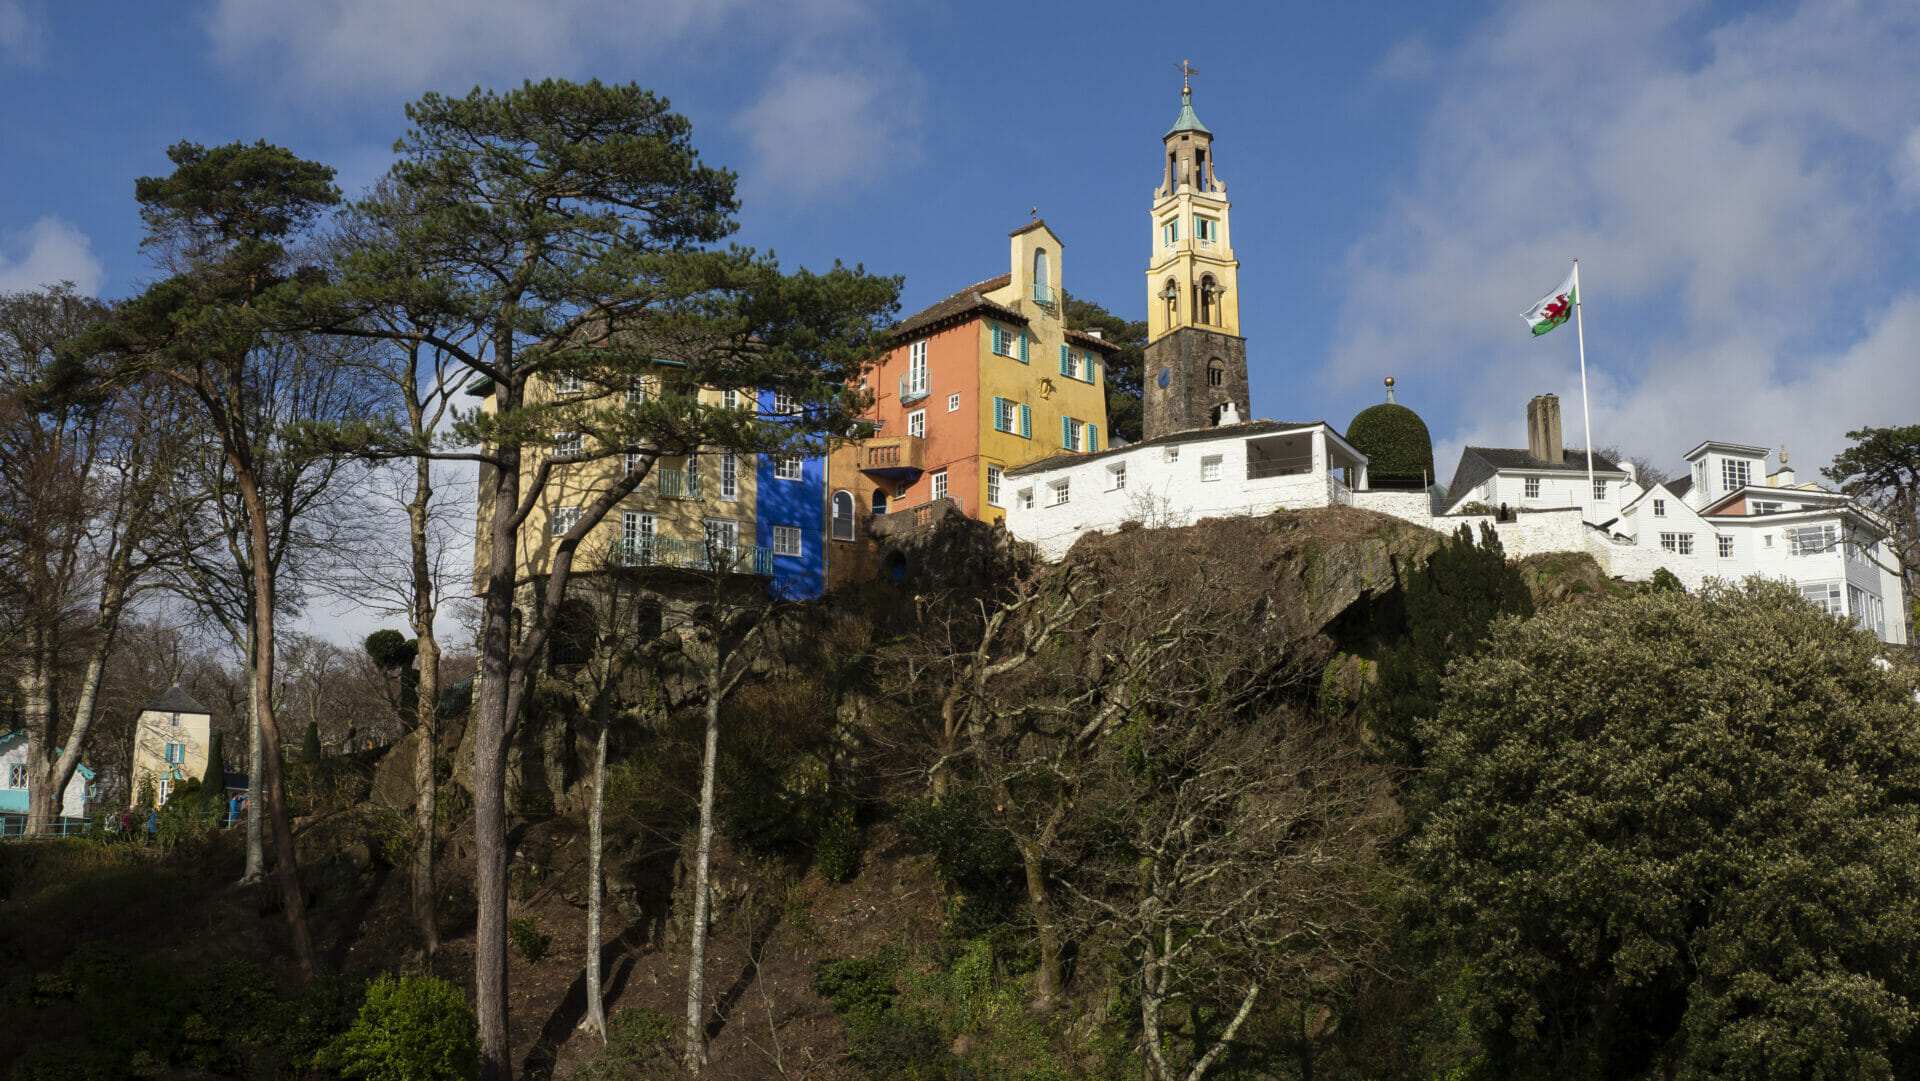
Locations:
(368, 48)
(816, 129)
(22, 36)
(48, 252)
(1738, 195)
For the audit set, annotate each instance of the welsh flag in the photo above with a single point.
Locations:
(1555, 308)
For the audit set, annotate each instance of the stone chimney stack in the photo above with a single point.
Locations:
(1543, 429)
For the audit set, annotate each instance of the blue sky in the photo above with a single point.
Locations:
(1739, 181)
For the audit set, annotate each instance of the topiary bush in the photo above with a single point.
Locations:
(1394, 438)
(414, 1028)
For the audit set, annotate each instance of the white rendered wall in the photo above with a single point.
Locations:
(1159, 492)
(73, 803)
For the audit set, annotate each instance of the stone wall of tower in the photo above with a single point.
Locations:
(1188, 402)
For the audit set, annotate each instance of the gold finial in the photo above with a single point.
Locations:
(1783, 454)
(1187, 72)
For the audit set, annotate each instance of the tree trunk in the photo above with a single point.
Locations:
(36, 714)
(1048, 978)
(288, 868)
(696, 1051)
(596, 1019)
(427, 728)
(256, 775)
(113, 601)
(490, 720)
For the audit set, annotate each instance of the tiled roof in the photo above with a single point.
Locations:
(176, 701)
(1193, 435)
(1576, 461)
(1680, 487)
(965, 302)
(1083, 338)
(1037, 223)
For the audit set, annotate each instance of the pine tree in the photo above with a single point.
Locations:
(310, 749)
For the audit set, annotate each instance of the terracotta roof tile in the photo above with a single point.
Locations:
(965, 302)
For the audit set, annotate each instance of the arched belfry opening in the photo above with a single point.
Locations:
(1207, 304)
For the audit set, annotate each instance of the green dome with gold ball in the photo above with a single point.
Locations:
(1394, 438)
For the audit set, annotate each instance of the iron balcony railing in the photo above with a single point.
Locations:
(1043, 294)
(679, 483)
(700, 555)
(913, 392)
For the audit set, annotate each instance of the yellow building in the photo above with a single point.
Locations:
(172, 738)
(1196, 360)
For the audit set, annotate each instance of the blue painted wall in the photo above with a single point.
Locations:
(800, 503)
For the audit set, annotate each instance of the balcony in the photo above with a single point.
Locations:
(894, 457)
(919, 516)
(911, 391)
(697, 555)
(679, 483)
(1043, 295)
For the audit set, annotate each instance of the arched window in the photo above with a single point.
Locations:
(1171, 295)
(879, 501)
(843, 515)
(1216, 373)
(1040, 267)
(1209, 295)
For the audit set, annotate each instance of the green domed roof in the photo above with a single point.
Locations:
(1396, 444)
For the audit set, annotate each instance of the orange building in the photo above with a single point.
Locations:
(984, 381)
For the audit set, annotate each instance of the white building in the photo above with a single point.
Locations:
(1545, 476)
(13, 796)
(1234, 469)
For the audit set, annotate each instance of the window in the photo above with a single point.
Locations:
(1070, 363)
(1532, 488)
(1734, 473)
(636, 537)
(784, 404)
(1009, 343)
(843, 515)
(1726, 547)
(567, 444)
(1767, 507)
(1173, 454)
(917, 370)
(1042, 291)
(632, 459)
(953, 403)
(567, 383)
(1868, 612)
(1659, 508)
(1169, 232)
(1210, 467)
(166, 789)
(993, 485)
(1599, 489)
(723, 538)
(1766, 540)
(176, 720)
(786, 466)
(730, 399)
(879, 501)
(917, 424)
(1012, 417)
(1026, 499)
(1678, 543)
(564, 519)
(1116, 476)
(1205, 230)
(1069, 433)
(1824, 596)
(940, 484)
(1062, 491)
(1813, 539)
(1216, 373)
(1700, 475)
(1206, 295)
(16, 776)
(176, 753)
(636, 391)
(729, 475)
(786, 540)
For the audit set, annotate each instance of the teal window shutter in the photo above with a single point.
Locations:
(1066, 361)
(1093, 437)
(1066, 432)
(999, 414)
(996, 336)
(1026, 421)
(1023, 347)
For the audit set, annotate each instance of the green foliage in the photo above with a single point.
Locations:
(1451, 605)
(1882, 470)
(393, 653)
(640, 1042)
(1704, 870)
(310, 746)
(837, 850)
(975, 859)
(524, 931)
(213, 783)
(146, 796)
(1123, 369)
(1665, 581)
(414, 1028)
(1396, 443)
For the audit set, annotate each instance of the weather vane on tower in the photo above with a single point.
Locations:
(1187, 72)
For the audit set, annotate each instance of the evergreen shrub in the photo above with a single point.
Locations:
(837, 851)
(1396, 443)
(413, 1028)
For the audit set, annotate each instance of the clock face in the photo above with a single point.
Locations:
(1165, 378)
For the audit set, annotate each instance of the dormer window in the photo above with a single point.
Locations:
(1734, 473)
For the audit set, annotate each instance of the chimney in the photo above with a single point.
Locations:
(1229, 414)
(1782, 478)
(1543, 429)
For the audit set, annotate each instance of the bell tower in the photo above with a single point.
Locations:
(1196, 358)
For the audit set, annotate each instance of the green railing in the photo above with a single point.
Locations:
(679, 483)
(693, 555)
(1043, 294)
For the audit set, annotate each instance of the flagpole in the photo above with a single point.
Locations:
(1586, 415)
